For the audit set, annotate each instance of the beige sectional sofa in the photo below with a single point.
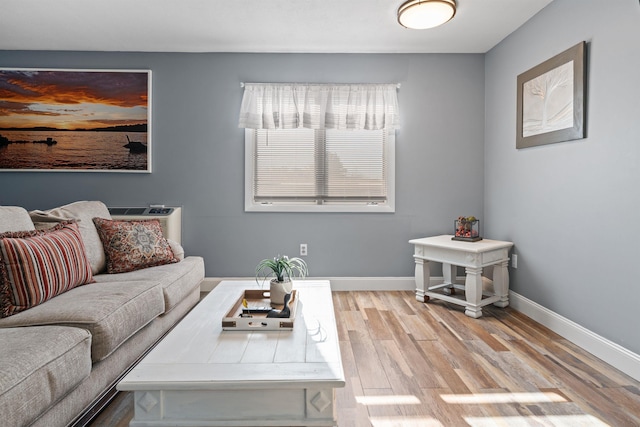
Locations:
(60, 357)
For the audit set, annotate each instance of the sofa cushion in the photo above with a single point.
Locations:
(134, 244)
(35, 266)
(83, 212)
(177, 280)
(177, 249)
(15, 218)
(111, 312)
(38, 366)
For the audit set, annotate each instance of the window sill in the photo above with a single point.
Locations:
(256, 207)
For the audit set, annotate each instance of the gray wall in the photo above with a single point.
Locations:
(571, 208)
(198, 157)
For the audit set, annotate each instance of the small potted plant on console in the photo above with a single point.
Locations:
(284, 269)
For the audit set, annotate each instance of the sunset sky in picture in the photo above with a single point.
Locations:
(72, 100)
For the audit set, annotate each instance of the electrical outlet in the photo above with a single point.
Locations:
(303, 249)
(514, 261)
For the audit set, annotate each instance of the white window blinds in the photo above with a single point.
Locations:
(319, 106)
(320, 166)
(356, 166)
(285, 166)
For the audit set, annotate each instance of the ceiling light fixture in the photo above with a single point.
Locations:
(422, 14)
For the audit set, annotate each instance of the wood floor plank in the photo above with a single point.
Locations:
(480, 331)
(427, 377)
(370, 370)
(446, 413)
(363, 300)
(454, 319)
(583, 393)
(341, 324)
(492, 324)
(346, 397)
(347, 300)
(354, 321)
(536, 360)
(528, 327)
(511, 366)
(400, 303)
(428, 314)
(377, 298)
(419, 330)
(626, 400)
(596, 367)
(352, 412)
(391, 409)
(553, 345)
(634, 390)
(349, 364)
(340, 301)
(376, 325)
(409, 364)
(457, 353)
(397, 370)
(438, 363)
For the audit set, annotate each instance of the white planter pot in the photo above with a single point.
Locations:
(278, 290)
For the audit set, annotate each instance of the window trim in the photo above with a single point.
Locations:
(346, 207)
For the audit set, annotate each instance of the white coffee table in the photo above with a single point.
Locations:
(200, 375)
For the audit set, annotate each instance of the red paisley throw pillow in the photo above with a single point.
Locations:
(133, 244)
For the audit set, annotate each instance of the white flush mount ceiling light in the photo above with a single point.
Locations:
(423, 14)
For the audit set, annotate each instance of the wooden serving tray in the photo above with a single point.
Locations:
(259, 321)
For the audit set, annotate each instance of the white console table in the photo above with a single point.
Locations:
(474, 256)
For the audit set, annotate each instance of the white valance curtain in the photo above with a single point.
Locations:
(319, 106)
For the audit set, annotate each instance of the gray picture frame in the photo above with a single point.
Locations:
(551, 100)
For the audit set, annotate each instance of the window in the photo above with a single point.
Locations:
(328, 170)
(319, 147)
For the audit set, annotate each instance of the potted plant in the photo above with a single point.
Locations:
(284, 269)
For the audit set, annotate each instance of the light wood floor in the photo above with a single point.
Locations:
(409, 364)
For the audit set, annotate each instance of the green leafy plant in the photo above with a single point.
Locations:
(282, 267)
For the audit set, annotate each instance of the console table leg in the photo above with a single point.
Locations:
(473, 292)
(449, 272)
(501, 283)
(423, 276)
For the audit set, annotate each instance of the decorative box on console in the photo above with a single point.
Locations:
(467, 229)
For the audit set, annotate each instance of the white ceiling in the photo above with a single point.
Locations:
(252, 26)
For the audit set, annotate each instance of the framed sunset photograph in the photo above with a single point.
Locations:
(75, 120)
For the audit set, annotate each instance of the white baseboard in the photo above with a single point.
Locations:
(372, 283)
(612, 353)
(343, 283)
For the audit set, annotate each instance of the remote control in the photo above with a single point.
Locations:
(255, 310)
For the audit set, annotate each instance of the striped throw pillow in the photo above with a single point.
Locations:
(35, 266)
